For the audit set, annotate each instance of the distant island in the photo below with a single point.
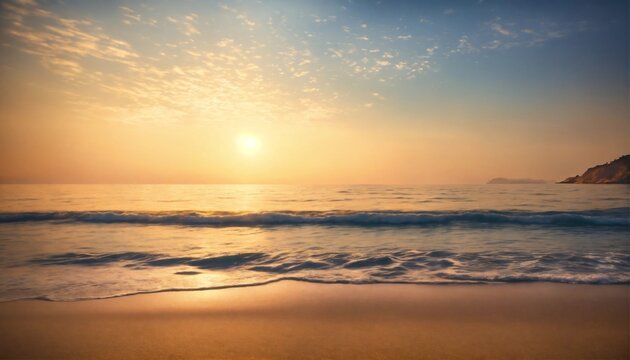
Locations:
(501, 180)
(614, 172)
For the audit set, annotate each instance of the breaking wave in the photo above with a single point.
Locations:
(402, 266)
(617, 217)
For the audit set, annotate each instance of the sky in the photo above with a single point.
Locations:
(310, 92)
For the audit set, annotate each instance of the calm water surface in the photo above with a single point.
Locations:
(67, 242)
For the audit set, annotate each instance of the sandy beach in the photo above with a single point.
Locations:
(291, 320)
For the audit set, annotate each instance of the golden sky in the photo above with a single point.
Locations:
(309, 91)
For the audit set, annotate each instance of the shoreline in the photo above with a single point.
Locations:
(293, 319)
(317, 282)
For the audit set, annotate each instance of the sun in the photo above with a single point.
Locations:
(248, 144)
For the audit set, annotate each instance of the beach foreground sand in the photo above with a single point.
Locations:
(294, 320)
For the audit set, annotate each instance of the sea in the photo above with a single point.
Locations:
(73, 242)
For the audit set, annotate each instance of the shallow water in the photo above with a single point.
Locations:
(66, 242)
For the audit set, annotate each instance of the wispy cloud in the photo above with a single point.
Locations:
(241, 16)
(131, 17)
(513, 34)
(221, 81)
(501, 29)
(187, 24)
(61, 43)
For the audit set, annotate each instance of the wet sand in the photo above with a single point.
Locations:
(293, 320)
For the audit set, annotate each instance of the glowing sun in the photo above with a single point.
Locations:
(248, 144)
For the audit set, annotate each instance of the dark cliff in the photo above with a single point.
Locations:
(614, 172)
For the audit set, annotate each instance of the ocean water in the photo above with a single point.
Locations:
(69, 242)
